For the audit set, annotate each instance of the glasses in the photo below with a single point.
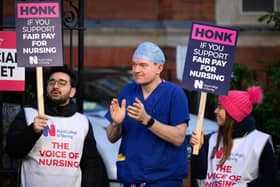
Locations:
(60, 82)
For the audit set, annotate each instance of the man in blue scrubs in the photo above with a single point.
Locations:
(151, 116)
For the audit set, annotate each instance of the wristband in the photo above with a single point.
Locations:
(150, 122)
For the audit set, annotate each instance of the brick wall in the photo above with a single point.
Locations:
(203, 10)
(249, 55)
(121, 9)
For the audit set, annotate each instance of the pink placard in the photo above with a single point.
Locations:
(214, 34)
(37, 10)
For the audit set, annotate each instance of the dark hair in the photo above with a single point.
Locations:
(225, 132)
(64, 69)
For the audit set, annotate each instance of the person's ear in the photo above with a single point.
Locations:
(160, 68)
(72, 92)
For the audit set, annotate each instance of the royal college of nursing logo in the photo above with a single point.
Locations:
(219, 153)
(49, 130)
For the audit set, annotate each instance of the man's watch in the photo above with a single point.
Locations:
(150, 122)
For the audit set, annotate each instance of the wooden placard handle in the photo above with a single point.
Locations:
(40, 92)
(199, 124)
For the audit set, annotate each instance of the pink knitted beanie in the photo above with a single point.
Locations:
(238, 104)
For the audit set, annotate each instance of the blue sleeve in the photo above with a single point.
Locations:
(179, 112)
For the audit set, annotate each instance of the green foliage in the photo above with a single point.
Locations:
(271, 17)
(270, 110)
(243, 77)
(30, 95)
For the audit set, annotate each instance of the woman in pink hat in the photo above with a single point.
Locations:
(238, 154)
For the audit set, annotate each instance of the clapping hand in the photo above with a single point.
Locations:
(117, 112)
(137, 111)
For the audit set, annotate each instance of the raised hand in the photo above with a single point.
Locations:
(117, 112)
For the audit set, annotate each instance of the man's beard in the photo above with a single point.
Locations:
(60, 101)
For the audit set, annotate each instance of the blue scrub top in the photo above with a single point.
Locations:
(149, 158)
